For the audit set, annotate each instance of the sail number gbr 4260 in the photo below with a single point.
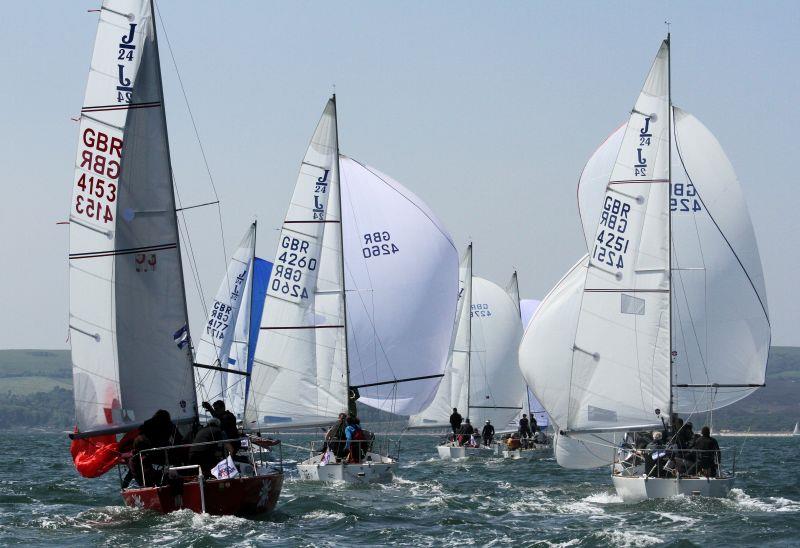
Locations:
(294, 269)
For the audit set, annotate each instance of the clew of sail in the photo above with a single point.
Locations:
(128, 318)
(299, 374)
(400, 275)
(224, 342)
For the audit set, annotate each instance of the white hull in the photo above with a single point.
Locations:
(449, 452)
(538, 452)
(639, 488)
(373, 469)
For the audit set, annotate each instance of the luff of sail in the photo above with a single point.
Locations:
(224, 341)
(400, 275)
(128, 318)
(299, 374)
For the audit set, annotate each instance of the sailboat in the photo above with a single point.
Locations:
(226, 350)
(667, 313)
(796, 431)
(360, 306)
(129, 332)
(529, 406)
(482, 375)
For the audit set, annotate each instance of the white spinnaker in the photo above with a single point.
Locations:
(530, 404)
(225, 335)
(401, 269)
(127, 302)
(495, 382)
(299, 373)
(453, 388)
(527, 310)
(721, 330)
(716, 267)
(620, 365)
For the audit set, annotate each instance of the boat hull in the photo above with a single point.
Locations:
(377, 469)
(534, 453)
(639, 488)
(248, 496)
(450, 452)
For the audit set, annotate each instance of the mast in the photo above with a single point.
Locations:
(469, 332)
(351, 396)
(519, 307)
(175, 213)
(669, 212)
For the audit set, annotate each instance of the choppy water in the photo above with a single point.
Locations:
(431, 502)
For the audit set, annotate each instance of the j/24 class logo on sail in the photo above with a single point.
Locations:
(125, 55)
(645, 137)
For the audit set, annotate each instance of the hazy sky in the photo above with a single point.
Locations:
(486, 110)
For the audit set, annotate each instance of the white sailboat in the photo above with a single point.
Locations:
(482, 375)
(529, 405)
(796, 431)
(226, 349)
(360, 304)
(667, 312)
(129, 332)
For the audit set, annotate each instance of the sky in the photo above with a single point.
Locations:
(485, 110)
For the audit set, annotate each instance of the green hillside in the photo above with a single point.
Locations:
(37, 385)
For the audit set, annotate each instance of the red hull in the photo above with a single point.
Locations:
(239, 496)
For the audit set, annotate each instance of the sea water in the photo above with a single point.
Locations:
(431, 502)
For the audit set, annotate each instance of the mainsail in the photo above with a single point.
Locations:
(359, 258)
(706, 346)
(225, 347)
(483, 379)
(129, 331)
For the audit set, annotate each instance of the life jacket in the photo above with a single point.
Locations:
(358, 434)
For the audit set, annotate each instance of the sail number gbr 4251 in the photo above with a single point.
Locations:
(611, 245)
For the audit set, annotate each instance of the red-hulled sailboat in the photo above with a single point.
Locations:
(129, 333)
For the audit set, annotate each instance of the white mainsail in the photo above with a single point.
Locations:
(299, 375)
(392, 257)
(400, 275)
(483, 379)
(225, 340)
(128, 324)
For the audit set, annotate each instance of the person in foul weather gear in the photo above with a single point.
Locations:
(227, 420)
(488, 433)
(708, 454)
(465, 432)
(335, 437)
(455, 422)
(354, 437)
(655, 456)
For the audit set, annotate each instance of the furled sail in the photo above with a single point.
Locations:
(129, 332)
(400, 275)
(299, 375)
(224, 343)
(452, 391)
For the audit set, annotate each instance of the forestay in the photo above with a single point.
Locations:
(299, 374)
(128, 324)
(402, 289)
(452, 391)
(224, 343)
